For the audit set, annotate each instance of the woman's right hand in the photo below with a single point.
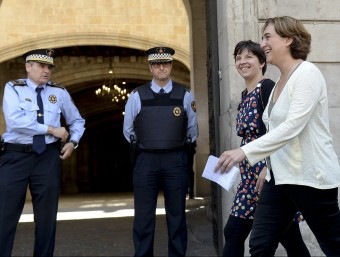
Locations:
(229, 158)
(260, 180)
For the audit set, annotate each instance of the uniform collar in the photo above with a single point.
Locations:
(32, 85)
(167, 88)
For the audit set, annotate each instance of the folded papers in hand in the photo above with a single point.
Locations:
(225, 179)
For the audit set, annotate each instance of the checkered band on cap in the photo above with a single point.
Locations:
(40, 58)
(40, 55)
(160, 54)
(160, 57)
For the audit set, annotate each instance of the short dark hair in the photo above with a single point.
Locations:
(289, 27)
(253, 47)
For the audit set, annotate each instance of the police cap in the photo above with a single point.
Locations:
(40, 55)
(160, 54)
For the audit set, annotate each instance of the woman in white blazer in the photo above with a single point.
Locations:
(250, 62)
(305, 171)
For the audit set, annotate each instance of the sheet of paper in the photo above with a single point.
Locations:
(226, 179)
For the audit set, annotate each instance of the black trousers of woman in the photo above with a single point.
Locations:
(278, 205)
(237, 230)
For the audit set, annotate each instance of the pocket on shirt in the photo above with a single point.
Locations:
(30, 107)
(52, 113)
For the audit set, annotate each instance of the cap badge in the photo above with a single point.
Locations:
(177, 111)
(49, 52)
(52, 99)
(160, 50)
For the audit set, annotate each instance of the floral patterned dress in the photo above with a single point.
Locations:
(248, 126)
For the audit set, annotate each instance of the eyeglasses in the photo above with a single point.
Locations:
(158, 64)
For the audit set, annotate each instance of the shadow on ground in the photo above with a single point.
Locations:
(112, 236)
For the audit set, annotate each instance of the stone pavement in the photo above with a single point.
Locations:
(101, 225)
(309, 240)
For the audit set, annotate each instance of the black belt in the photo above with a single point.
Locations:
(29, 148)
(162, 150)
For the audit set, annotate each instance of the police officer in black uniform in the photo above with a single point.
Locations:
(161, 117)
(31, 150)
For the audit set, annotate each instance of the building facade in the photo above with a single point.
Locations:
(91, 35)
(242, 20)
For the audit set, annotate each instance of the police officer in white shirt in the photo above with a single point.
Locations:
(32, 148)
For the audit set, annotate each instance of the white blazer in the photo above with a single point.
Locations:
(299, 141)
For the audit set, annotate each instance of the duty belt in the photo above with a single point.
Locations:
(28, 148)
(163, 150)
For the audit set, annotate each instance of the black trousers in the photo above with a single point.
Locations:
(42, 174)
(191, 178)
(152, 172)
(277, 207)
(237, 230)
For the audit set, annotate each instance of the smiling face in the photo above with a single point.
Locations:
(274, 46)
(248, 64)
(39, 73)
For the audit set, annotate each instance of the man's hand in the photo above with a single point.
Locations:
(229, 158)
(58, 132)
(66, 151)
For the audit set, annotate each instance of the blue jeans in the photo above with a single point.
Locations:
(277, 207)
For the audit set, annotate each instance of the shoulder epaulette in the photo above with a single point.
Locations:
(52, 84)
(19, 82)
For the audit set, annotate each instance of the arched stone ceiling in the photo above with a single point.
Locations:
(63, 23)
(80, 39)
(79, 34)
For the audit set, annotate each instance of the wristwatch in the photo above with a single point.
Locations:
(75, 144)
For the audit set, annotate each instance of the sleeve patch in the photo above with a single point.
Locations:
(193, 106)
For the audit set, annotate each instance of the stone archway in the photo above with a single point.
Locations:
(111, 23)
(78, 39)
